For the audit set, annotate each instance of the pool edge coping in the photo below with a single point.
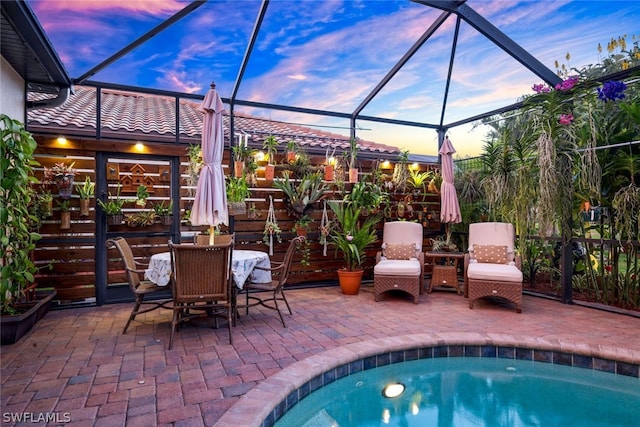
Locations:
(257, 404)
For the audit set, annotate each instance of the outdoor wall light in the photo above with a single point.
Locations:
(332, 161)
(414, 167)
(259, 156)
(393, 390)
(386, 165)
(139, 147)
(61, 140)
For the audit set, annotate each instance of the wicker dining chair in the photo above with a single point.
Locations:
(274, 290)
(201, 281)
(140, 288)
(491, 267)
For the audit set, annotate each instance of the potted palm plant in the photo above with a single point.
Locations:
(351, 236)
(20, 304)
(86, 191)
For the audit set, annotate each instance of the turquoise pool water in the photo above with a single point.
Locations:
(472, 391)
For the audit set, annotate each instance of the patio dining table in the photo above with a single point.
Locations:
(243, 264)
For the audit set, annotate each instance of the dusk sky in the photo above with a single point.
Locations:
(330, 55)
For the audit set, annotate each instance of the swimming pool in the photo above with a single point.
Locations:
(472, 391)
(274, 397)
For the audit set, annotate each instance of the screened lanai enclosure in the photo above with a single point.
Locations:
(540, 98)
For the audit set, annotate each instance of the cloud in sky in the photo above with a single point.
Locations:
(332, 54)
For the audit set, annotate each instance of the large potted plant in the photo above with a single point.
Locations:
(351, 235)
(21, 305)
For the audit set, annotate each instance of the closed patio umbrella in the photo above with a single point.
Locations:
(449, 206)
(210, 204)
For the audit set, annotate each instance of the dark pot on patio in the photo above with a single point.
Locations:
(16, 326)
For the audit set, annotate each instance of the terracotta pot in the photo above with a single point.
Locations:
(238, 169)
(301, 231)
(269, 172)
(350, 281)
(65, 220)
(353, 175)
(328, 173)
(84, 207)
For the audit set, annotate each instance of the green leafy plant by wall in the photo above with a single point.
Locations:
(17, 240)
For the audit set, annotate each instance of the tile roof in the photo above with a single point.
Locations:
(129, 115)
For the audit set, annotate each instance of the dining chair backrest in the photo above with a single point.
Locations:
(201, 272)
(121, 244)
(283, 273)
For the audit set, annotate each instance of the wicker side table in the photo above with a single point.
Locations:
(445, 273)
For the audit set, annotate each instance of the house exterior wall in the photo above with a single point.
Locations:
(12, 101)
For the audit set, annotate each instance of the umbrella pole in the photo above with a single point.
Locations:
(212, 235)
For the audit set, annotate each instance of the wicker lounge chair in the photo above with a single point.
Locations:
(201, 280)
(140, 288)
(491, 268)
(399, 266)
(268, 294)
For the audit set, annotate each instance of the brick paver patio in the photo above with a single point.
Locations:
(76, 363)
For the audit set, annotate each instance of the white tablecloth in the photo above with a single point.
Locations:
(243, 263)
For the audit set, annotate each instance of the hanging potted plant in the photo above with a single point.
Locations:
(240, 154)
(400, 175)
(86, 191)
(270, 145)
(329, 165)
(237, 192)
(292, 151)
(141, 196)
(353, 155)
(163, 212)
(65, 214)
(63, 176)
(301, 226)
(113, 208)
(351, 237)
(300, 197)
(21, 305)
(46, 204)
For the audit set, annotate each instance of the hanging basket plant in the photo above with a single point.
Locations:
(62, 176)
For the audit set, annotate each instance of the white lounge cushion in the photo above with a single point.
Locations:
(397, 267)
(497, 272)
